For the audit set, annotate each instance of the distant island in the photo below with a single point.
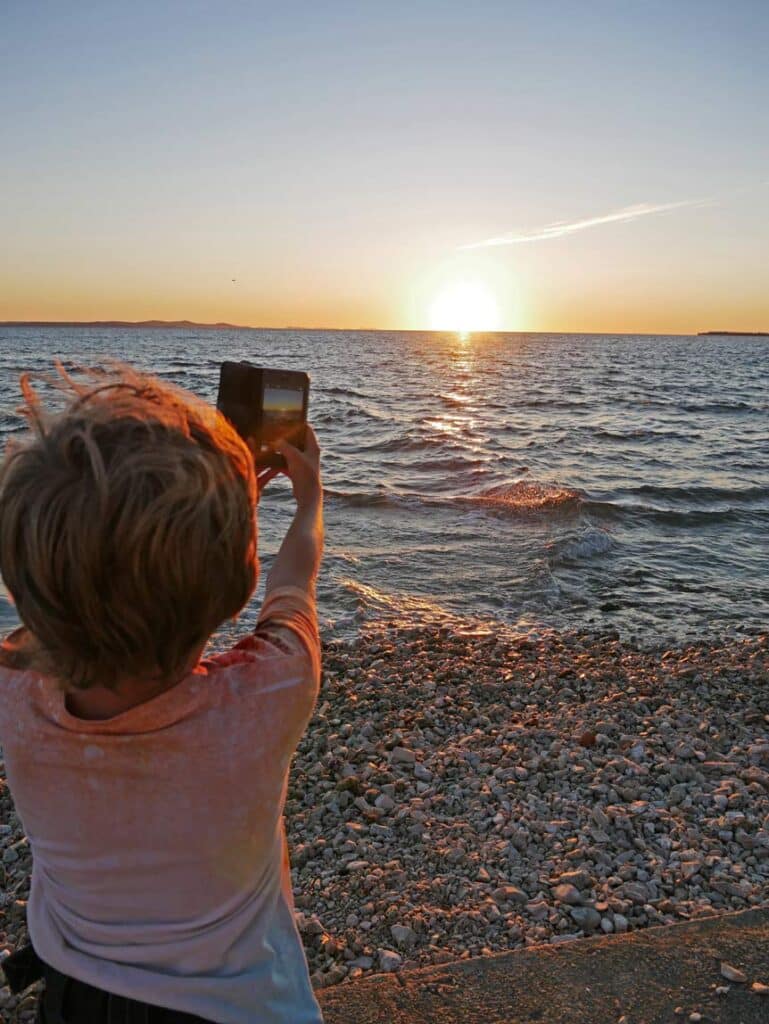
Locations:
(739, 334)
(221, 326)
(121, 323)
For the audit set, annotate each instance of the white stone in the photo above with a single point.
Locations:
(389, 960)
(732, 973)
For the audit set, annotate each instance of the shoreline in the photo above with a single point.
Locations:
(458, 795)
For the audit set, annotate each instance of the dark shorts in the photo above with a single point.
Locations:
(65, 1000)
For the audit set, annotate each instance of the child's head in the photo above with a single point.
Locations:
(127, 527)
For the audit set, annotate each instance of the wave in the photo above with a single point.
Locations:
(552, 403)
(405, 443)
(410, 611)
(361, 499)
(519, 497)
(345, 392)
(720, 407)
(581, 547)
(402, 605)
(617, 511)
(456, 401)
(351, 412)
(542, 498)
(460, 464)
(639, 434)
(527, 496)
(699, 493)
(463, 400)
(691, 407)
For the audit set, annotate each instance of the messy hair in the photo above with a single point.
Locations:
(127, 526)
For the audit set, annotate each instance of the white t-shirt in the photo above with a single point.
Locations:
(160, 866)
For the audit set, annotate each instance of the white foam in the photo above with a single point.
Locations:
(588, 544)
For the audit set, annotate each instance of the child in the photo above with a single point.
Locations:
(151, 783)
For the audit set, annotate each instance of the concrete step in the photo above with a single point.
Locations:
(639, 978)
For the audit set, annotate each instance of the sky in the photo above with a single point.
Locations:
(540, 166)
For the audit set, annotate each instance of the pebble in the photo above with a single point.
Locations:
(403, 935)
(400, 755)
(579, 879)
(600, 817)
(389, 960)
(637, 892)
(586, 917)
(567, 893)
(364, 962)
(733, 973)
(538, 910)
(509, 894)
(760, 988)
(356, 865)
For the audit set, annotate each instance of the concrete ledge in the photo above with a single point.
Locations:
(639, 978)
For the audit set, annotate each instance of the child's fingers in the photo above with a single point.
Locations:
(310, 453)
(266, 475)
(296, 466)
(311, 446)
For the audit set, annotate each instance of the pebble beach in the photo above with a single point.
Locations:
(463, 793)
(460, 795)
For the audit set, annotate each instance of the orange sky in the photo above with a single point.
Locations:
(346, 171)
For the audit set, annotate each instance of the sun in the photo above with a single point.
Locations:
(465, 307)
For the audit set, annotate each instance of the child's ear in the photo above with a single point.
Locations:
(16, 649)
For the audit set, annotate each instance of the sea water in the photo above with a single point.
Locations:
(532, 481)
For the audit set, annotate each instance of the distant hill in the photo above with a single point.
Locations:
(739, 334)
(120, 323)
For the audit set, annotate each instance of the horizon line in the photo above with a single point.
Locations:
(223, 325)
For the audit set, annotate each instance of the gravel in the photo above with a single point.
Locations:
(570, 785)
(459, 795)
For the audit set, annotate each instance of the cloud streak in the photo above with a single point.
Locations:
(560, 228)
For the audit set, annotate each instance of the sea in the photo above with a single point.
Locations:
(513, 482)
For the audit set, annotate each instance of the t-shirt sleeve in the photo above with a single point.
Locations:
(287, 629)
(289, 620)
(282, 659)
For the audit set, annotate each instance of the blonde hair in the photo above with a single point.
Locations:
(127, 526)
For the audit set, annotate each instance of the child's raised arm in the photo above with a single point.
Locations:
(298, 561)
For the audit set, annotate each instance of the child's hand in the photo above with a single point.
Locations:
(303, 469)
(263, 476)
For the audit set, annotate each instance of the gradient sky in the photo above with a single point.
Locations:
(342, 161)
